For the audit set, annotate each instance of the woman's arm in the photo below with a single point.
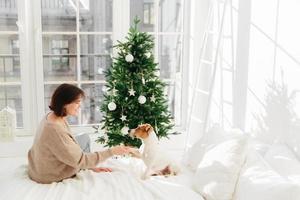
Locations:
(65, 149)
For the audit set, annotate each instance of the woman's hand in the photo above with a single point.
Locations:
(101, 169)
(136, 153)
(122, 150)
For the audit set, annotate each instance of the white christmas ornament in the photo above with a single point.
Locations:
(148, 54)
(131, 92)
(142, 99)
(129, 58)
(123, 118)
(125, 130)
(112, 106)
(143, 80)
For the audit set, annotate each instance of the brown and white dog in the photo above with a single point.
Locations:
(155, 159)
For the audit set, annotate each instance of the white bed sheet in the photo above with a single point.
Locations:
(123, 183)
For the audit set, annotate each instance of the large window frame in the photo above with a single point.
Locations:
(31, 59)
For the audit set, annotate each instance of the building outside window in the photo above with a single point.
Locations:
(60, 63)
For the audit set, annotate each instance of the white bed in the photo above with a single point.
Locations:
(123, 183)
(225, 166)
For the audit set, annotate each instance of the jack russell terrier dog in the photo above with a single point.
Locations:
(156, 160)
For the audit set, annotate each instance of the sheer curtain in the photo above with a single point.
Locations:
(261, 96)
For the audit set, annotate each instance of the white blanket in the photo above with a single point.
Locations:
(123, 183)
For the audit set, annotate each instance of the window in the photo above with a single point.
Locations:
(71, 41)
(10, 72)
(274, 53)
(59, 57)
(60, 63)
(148, 14)
(168, 36)
(76, 49)
(273, 57)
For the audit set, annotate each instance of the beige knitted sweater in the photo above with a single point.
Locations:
(55, 155)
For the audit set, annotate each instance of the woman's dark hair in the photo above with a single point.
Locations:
(63, 95)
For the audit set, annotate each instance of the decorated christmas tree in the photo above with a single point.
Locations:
(134, 92)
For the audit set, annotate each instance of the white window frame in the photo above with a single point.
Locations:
(31, 58)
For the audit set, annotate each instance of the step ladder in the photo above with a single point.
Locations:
(198, 118)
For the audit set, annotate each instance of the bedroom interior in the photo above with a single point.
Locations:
(225, 72)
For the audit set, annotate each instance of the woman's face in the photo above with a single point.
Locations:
(73, 108)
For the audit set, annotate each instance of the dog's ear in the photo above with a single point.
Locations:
(148, 128)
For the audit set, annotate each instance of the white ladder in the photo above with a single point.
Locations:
(198, 116)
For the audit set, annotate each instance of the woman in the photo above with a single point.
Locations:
(55, 155)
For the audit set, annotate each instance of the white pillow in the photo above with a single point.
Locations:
(218, 171)
(284, 162)
(210, 139)
(258, 181)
